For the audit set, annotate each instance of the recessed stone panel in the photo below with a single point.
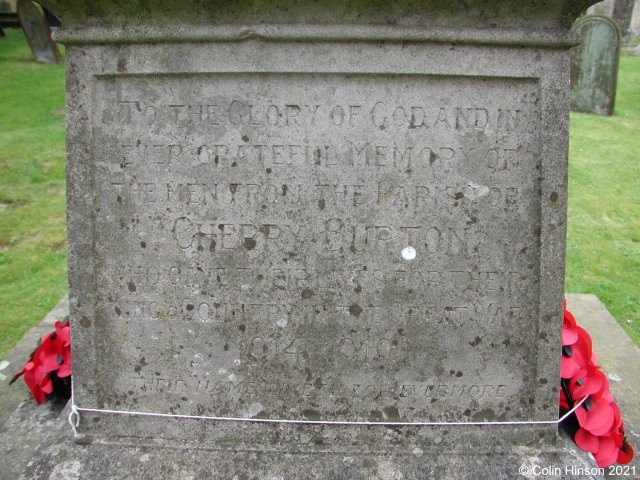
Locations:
(317, 246)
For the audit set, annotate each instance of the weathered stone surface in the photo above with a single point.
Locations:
(266, 214)
(149, 460)
(27, 433)
(6, 6)
(37, 31)
(36, 439)
(594, 65)
(604, 7)
(121, 20)
(634, 27)
(269, 220)
(228, 250)
(620, 11)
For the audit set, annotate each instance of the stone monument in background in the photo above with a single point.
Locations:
(36, 30)
(594, 65)
(621, 11)
(634, 25)
(315, 239)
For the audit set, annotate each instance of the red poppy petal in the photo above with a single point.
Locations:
(569, 318)
(584, 339)
(580, 354)
(581, 415)
(616, 436)
(607, 453)
(48, 355)
(625, 454)
(50, 363)
(604, 430)
(616, 414)
(46, 385)
(65, 370)
(38, 395)
(568, 367)
(563, 401)
(591, 385)
(599, 417)
(603, 391)
(29, 379)
(579, 375)
(586, 441)
(63, 335)
(569, 336)
(607, 397)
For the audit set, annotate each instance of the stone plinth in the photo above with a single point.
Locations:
(303, 212)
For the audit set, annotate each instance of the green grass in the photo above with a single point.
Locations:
(604, 231)
(603, 245)
(32, 189)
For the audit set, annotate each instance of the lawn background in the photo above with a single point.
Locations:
(32, 189)
(603, 246)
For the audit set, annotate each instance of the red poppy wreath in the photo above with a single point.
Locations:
(48, 371)
(598, 426)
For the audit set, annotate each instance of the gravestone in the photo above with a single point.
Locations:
(594, 65)
(316, 238)
(7, 6)
(634, 27)
(620, 11)
(36, 30)
(8, 17)
(604, 8)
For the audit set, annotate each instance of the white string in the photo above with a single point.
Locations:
(75, 411)
(74, 424)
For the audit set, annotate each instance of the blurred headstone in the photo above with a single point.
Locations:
(36, 29)
(7, 6)
(619, 10)
(594, 65)
(634, 28)
(622, 10)
(602, 8)
(8, 16)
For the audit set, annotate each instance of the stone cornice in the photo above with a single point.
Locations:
(499, 22)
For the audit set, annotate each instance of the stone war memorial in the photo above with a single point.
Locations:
(315, 239)
(594, 65)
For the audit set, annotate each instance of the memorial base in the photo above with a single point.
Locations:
(56, 454)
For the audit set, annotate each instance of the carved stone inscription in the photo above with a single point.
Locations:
(252, 237)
